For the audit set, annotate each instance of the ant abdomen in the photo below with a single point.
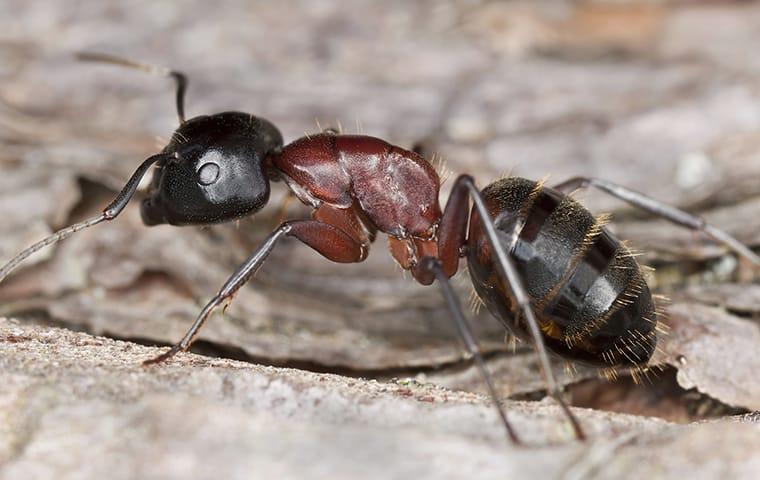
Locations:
(585, 287)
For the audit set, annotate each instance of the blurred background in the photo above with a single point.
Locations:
(660, 96)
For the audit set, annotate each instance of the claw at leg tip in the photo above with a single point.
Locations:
(163, 357)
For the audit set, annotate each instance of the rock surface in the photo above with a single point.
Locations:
(77, 406)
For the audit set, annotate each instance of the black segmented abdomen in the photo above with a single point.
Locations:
(587, 291)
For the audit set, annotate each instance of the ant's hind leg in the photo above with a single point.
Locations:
(672, 214)
(179, 77)
(452, 237)
(509, 273)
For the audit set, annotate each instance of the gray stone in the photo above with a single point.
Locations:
(77, 406)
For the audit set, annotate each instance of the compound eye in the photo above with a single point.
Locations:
(208, 173)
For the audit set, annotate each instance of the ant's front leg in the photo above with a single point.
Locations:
(332, 242)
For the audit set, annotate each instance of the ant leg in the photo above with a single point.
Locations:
(328, 240)
(109, 213)
(672, 214)
(179, 77)
(509, 273)
(232, 285)
(465, 332)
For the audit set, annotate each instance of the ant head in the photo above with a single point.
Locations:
(213, 171)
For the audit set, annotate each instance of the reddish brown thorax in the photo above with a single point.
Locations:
(383, 187)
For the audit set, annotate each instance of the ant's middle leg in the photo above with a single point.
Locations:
(434, 267)
(452, 237)
(332, 242)
(670, 213)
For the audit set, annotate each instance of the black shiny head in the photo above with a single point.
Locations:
(213, 171)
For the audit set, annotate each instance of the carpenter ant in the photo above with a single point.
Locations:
(543, 265)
